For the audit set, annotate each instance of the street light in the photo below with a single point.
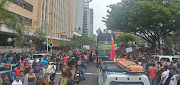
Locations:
(44, 43)
(30, 42)
(9, 40)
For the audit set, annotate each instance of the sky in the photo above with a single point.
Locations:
(100, 10)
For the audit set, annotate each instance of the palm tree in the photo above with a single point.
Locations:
(9, 19)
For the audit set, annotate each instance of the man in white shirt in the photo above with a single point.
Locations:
(174, 79)
(164, 75)
(52, 69)
(17, 81)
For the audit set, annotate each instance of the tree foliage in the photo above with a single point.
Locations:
(77, 42)
(126, 37)
(148, 19)
(40, 35)
(172, 39)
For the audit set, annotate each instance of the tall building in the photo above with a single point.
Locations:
(78, 16)
(28, 11)
(91, 23)
(51, 16)
(87, 19)
(57, 16)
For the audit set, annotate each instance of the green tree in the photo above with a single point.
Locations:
(126, 37)
(23, 39)
(172, 39)
(77, 42)
(148, 19)
(40, 35)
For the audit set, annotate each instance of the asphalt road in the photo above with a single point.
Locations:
(90, 75)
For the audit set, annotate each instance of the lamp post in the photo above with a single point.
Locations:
(9, 40)
(44, 43)
(30, 42)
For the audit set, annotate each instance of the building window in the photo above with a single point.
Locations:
(26, 21)
(23, 4)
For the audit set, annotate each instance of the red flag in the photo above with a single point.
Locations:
(112, 54)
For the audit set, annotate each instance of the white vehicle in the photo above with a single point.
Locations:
(109, 73)
(168, 59)
(39, 56)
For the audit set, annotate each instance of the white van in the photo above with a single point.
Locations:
(39, 56)
(168, 59)
(111, 74)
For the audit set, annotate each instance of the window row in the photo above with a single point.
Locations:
(23, 4)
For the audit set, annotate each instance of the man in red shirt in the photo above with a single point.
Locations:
(152, 74)
(17, 70)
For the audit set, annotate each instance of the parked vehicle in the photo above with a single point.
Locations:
(5, 71)
(166, 58)
(110, 73)
(39, 56)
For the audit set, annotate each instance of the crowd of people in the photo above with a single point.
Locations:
(158, 71)
(43, 71)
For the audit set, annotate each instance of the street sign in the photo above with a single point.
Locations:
(51, 45)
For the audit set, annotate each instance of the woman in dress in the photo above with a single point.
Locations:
(47, 75)
(30, 78)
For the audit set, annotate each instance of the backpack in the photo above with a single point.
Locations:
(168, 79)
(63, 81)
(25, 63)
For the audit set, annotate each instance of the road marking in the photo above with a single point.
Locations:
(59, 73)
(84, 73)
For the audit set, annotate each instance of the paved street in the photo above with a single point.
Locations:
(90, 74)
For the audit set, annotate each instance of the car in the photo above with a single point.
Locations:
(39, 56)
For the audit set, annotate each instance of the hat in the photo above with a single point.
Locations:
(51, 62)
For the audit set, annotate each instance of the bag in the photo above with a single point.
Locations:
(63, 81)
(168, 79)
(70, 82)
(25, 63)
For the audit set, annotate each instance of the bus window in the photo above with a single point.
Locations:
(156, 58)
(165, 59)
(175, 60)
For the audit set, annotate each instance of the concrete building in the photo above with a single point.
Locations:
(57, 16)
(28, 11)
(78, 16)
(87, 19)
(117, 33)
(51, 16)
(91, 23)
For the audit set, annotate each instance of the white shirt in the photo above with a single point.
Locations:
(85, 57)
(165, 74)
(52, 70)
(174, 79)
(46, 71)
(17, 83)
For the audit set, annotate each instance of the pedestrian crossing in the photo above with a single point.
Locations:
(84, 73)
